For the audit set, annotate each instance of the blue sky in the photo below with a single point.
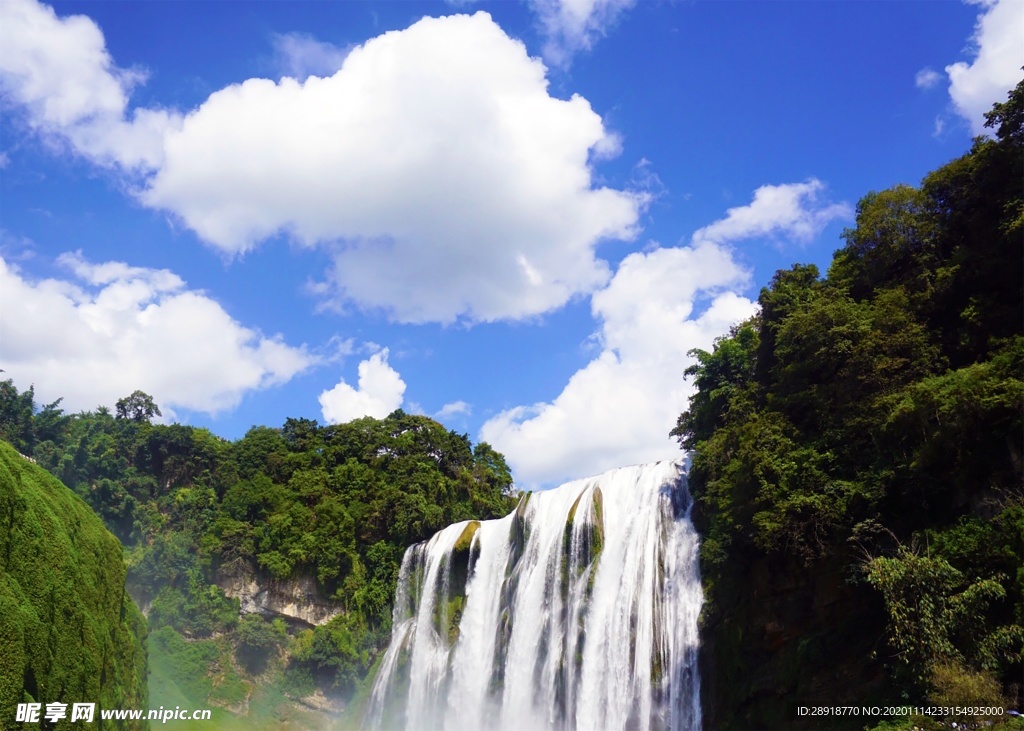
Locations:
(516, 217)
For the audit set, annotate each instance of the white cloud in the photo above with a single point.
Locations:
(619, 408)
(447, 180)
(455, 408)
(996, 68)
(574, 25)
(59, 71)
(792, 211)
(379, 392)
(926, 78)
(112, 328)
(300, 55)
(444, 177)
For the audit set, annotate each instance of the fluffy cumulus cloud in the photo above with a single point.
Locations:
(59, 72)
(619, 408)
(446, 179)
(574, 25)
(379, 392)
(996, 68)
(795, 212)
(109, 329)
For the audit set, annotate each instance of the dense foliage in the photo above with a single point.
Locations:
(858, 458)
(69, 632)
(337, 505)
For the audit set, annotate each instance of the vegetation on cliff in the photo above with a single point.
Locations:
(858, 460)
(70, 632)
(338, 504)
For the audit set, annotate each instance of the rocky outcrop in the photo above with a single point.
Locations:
(298, 598)
(317, 701)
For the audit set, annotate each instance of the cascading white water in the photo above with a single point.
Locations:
(577, 611)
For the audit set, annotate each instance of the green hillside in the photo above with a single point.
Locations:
(69, 631)
(858, 463)
(328, 509)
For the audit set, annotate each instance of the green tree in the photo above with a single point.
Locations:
(138, 407)
(257, 640)
(16, 412)
(937, 616)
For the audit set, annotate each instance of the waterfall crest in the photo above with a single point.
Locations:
(576, 611)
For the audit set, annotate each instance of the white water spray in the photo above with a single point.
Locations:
(577, 611)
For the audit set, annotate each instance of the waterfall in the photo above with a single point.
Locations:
(576, 611)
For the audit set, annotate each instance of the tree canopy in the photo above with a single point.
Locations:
(865, 428)
(337, 504)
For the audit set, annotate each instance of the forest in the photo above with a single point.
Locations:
(334, 504)
(858, 462)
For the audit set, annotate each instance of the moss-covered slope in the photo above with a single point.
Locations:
(69, 632)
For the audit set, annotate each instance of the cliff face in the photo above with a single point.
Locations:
(781, 635)
(297, 598)
(69, 631)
